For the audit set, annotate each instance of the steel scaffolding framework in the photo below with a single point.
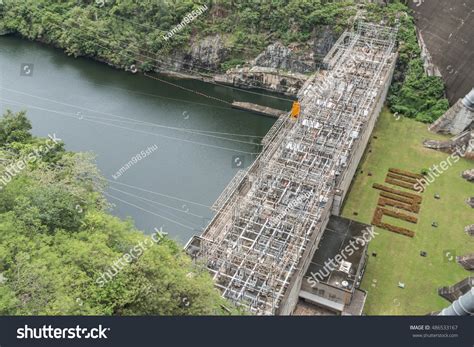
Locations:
(268, 213)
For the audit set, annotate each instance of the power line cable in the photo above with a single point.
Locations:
(163, 210)
(153, 213)
(135, 121)
(157, 203)
(159, 194)
(141, 61)
(130, 129)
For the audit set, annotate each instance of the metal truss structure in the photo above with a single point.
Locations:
(270, 212)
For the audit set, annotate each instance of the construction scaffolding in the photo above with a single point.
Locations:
(270, 213)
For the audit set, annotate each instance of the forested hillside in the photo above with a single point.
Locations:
(127, 33)
(62, 253)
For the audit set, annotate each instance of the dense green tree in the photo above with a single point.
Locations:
(14, 128)
(62, 253)
(124, 32)
(419, 96)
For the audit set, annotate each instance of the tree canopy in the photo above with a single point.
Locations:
(57, 239)
(124, 32)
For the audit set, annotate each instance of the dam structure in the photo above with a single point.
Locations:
(270, 218)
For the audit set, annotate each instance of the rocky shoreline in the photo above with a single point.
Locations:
(278, 68)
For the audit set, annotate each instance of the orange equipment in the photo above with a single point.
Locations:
(295, 109)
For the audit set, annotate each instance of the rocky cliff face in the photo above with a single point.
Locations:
(279, 68)
(263, 77)
(206, 54)
(279, 57)
(209, 52)
(324, 39)
(282, 68)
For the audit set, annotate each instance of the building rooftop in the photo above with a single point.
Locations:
(335, 241)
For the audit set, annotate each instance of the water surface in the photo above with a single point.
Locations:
(116, 115)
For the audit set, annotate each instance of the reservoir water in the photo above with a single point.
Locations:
(198, 144)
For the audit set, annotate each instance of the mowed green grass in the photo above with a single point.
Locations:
(399, 145)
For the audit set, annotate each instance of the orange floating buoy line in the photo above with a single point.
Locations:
(295, 109)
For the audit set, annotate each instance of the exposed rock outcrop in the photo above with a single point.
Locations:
(324, 39)
(470, 202)
(458, 118)
(209, 52)
(279, 67)
(462, 144)
(298, 58)
(466, 261)
(282, 68)
(280, 57)
(469, 175)
(469, 229)
(263, 77)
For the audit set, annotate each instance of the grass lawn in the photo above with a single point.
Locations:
(398, 259)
